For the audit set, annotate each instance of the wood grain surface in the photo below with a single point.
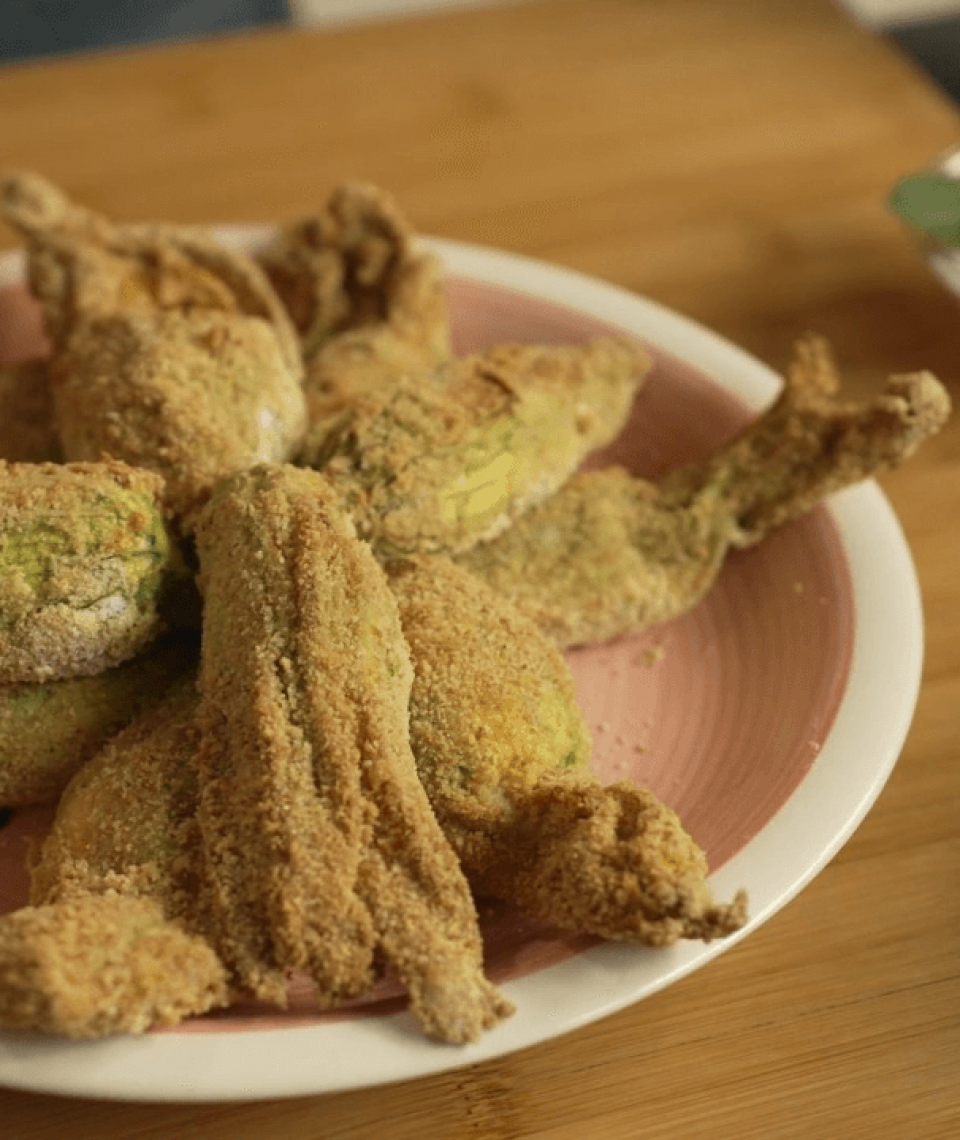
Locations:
(730, 159)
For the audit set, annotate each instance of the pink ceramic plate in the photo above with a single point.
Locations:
(769, 718)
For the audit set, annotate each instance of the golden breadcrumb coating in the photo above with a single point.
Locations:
(102, 964)
(360, 740)
(147, 842)
(321, 846)
(48, 731)
(82, 265)
(85, 562)
(367, 305)
(813, 441)
(488, 688)
(116, 940)
(169, 351)
(502, 751)
(439, 462)
(611, 553)
(193, 396)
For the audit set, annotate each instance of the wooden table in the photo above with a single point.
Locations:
(729, 158)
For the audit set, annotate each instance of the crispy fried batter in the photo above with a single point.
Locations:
(493, 706)
(276, 819)
(612, 861)
(502, 750)
(612, 554)
(194, 396)
(48, 732)
(605, 556)
(439, 462)
(148, 842)
(367, 306)
(85, 560)
(82, 265)
(27, 433)
(320, 842)
(101, 964)
(116, 939)
(812, 442)
(170, 352)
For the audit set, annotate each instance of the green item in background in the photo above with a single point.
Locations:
(930, 202)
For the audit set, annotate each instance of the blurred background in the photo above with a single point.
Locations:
(927, 30)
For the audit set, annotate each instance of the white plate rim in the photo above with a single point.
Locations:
(851, 769)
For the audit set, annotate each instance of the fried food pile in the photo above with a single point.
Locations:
(170, 352)
(285, 588)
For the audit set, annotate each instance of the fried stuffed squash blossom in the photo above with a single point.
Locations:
(85, 563)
